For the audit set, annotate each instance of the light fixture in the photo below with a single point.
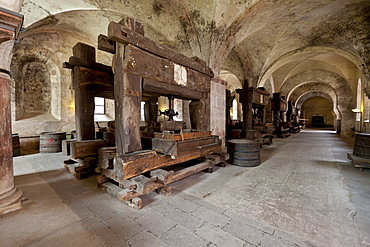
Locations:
(356, 110)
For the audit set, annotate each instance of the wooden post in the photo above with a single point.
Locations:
(199, 113)
(247, 109)
(84, 95)
(127, 96)
(151, 110)
(10, 23)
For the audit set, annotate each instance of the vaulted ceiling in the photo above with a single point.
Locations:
(264, 42)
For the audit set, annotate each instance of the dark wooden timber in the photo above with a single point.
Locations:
(129, 169)
(149, 66)
(127, 95)
(84, 108)
(105, 44)
(124, 35)
(165, 89)
(82, 149)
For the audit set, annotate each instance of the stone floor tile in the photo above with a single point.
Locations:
(185, 219)
(180, 236)
(181, 203)
(156, 223)
(202, 203)
(218, 236)
(250, 222)
(211, 217)
(146, 239)
(124, 227)
(243, 231)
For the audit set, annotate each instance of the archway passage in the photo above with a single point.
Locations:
(318, 112)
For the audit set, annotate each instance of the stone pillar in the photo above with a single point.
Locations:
(10, 196)
(218, 108)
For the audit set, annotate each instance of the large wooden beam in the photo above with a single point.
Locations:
(165, 89)
(127, 95)
(149, 66)
(124, 35)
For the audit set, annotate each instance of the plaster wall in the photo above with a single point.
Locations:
(318, 106)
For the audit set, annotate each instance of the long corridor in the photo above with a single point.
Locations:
(305, 186)
(304, 193)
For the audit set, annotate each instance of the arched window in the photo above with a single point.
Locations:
(358, 100)
(235, 110)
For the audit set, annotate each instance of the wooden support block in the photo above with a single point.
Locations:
(82, 149)
(209, 170)
(136, 203)
(144, 184)
(105, 44)
(162, 176)
(77, 171)
(84, 52)
(106, 156)
(66, 146)
(100, 179)
(165, 190)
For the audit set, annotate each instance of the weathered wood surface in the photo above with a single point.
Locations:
(179, 148)
(185, 136)
(96, 77)
(82, 149)
(258, 96)
(106, 156)
(148, 66)
(359, 162)
(200, 112)
(105, 44)
(84, 108)
(66, 146)
(127, 88)
(129, 169)
(154, 87)
(125, 35)
(159, 180)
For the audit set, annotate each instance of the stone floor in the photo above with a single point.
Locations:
(305, 193)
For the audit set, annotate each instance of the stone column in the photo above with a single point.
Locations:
(9, 194)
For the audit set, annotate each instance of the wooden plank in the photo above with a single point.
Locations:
(96, 77)
(176, 148)
(166, 89)
(76, 61)
(127, 88)
(124, 35)
(136, 167)
(183, 173)
(186, 136)
(148, 66)
(82, 149)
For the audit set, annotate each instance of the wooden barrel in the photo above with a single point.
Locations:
(243, 152)
(51, 142)
(16, 145)
(362, 146)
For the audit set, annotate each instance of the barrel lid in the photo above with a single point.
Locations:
(241, 141)
(363, 134)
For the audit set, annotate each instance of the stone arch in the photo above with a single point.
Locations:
(302, 54)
